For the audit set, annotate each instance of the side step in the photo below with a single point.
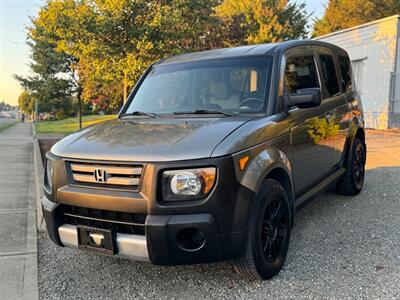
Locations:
(321, 186)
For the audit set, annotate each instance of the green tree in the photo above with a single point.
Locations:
(105, 45)
(4, 106)
(49, 84)
(262, 21)
(114, 41)
(26, 103)
(342, 14)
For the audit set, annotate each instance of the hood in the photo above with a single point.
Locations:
(159, 139)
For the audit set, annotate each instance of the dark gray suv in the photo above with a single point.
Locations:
(210, 157)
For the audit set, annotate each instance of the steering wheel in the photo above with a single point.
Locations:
(252, 103)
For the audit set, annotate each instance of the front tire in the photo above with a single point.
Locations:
(268, 233)
(352, 181)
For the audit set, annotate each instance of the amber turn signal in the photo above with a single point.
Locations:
(243, 162)
(208, 175)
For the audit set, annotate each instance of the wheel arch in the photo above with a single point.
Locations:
(360, 134)
(357, 132)
(272, 163)
(281, 175)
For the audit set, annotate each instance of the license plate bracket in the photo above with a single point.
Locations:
(96, 239)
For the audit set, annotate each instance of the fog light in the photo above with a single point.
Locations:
(190, 239)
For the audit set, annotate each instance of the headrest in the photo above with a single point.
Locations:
(219, 90)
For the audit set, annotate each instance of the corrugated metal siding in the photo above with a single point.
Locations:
(394, 117)
(395, 105)
(372, 49)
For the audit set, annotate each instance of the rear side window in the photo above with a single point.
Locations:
(329, 74)
(300, 73)
(345, 68)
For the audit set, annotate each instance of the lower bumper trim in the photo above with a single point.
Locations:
(130, 246)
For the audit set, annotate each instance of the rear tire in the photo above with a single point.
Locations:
(268, 233)
(353, 180)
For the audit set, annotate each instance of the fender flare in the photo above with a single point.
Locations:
(263, 161)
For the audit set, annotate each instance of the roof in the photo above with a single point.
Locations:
(357, 27)
(220, 53)
(241, 51)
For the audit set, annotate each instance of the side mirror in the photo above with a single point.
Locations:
(305, 98)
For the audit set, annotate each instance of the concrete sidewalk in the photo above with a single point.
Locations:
(18, 243)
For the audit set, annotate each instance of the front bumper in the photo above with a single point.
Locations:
(160, 244)
(131, 246)
(220, 221)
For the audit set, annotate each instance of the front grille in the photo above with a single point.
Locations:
(117, 176)
(121, 222)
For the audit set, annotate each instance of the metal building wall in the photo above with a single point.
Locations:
(373, 49)
(394, 117)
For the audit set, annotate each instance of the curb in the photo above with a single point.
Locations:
(39, 174)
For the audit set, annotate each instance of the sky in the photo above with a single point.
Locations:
(14, 53)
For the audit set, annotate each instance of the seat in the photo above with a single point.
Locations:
(223, 96)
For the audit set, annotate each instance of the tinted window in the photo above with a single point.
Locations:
(346, 72)
(300, 73)
(329, 74)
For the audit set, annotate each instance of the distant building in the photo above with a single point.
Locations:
(374, 50)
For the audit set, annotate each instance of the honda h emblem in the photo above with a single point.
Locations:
(101, 175)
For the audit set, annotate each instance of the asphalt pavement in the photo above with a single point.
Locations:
(341, 247)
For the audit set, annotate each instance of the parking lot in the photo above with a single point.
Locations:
(341, 247)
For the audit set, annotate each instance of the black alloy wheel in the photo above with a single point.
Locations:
(274, 231)
(359, 166)
(270, 222)
(352, 181)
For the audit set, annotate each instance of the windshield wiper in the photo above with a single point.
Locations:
(139, 113)
(203, 112)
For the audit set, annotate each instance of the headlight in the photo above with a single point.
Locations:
(188, 184)
(49, 175)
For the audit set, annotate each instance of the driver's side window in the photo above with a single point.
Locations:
(300, 73)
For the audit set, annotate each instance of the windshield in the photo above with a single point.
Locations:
(229, 86)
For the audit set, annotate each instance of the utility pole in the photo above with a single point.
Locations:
(80, 106)
(125, 86)
(78, 91)
(36, 109)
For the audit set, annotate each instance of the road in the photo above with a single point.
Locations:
(341, 247)
(18, 245)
